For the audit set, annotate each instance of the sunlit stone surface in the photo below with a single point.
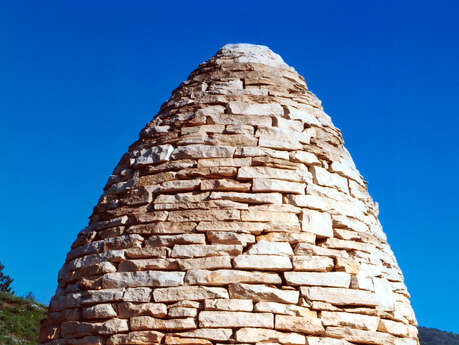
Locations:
(237, 217)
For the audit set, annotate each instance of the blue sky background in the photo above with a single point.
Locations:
(79, 79)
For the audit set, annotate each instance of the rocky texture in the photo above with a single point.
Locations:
(237, 217)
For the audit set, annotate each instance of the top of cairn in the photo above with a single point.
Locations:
(245, 52)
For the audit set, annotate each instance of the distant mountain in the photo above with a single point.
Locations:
(19, 320)
(432, 336)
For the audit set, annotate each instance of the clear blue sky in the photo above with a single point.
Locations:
(79, 79)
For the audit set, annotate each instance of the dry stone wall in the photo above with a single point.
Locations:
(237, 217)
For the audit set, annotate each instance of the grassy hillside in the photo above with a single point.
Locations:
(19, 320)
(20, 323)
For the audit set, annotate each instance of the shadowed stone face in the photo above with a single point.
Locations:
(237, 217)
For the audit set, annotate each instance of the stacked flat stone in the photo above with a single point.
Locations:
(237, 217)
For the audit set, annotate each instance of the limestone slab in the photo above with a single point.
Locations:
(202, 151)
(282, 308)
(255, 198)
(211, 262)
(254, 109)
(129, 309)
(331, 279)
(325, 178)
(225, 185)
(269, 336)
(142, 278)
(365, 322)
(318, 223)
(340, 296)
(137, 338)
(202, 250)
(360, 336)
(246, 173)
(232, 226)
(301, 324)
(139, 323)
(230, 238)
(99, 311)
(221, 334)
(272, 185)
(263, 262)
(327, 341)
(230, 276)
(312, 263)
(290, 237)
(169, 240)
(260, 292)
(232, 304)
(270, 248)
(154, 155)
(235, 319)
(203, 215)
(182, 293)
(225, 162)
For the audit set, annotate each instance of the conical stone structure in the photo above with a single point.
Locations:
(237, 217)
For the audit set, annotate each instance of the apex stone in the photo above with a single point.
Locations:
(245, 52)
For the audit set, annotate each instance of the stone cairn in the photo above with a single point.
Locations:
(237, 217)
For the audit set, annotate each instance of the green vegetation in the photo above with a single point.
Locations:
(19, 320)
(432, 336)
(5, 281)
